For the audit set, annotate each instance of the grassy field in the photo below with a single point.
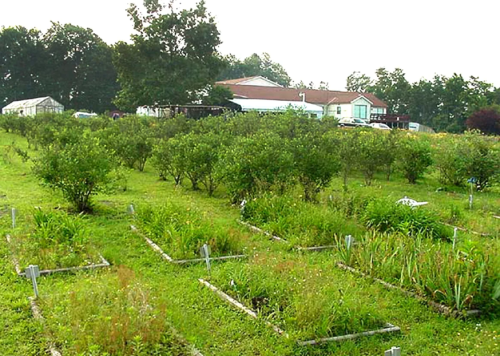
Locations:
(77, 306)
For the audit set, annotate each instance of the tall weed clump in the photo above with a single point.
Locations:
(385, 215)
(299, 222)
(110, 315)
(349, 204)
(183, 231)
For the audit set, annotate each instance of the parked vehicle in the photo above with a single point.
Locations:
(84, 115)
(353, 122)
(380, 126)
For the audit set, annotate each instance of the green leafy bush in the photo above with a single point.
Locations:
(167, 160)
(459, 158)
(256, 164)
(482, 156)
(387, 216)
(346, 143)
(197, 158)
(79, 170)
(450, 161)
(414, 156)
(131, 139)
(315, 163)
(371, 153)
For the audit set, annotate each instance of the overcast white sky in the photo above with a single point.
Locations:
(317, 40)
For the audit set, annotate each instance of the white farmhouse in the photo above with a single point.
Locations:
(339, 104)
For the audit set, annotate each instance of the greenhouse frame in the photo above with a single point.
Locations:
(32, 107)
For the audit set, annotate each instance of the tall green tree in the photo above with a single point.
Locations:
(80, 72)
(393, 88)
(255, 65)
(424, 100)
(172, 59)
(23, 60)
(358, 82)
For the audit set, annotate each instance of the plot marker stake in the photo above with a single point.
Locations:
(13, 214)
(205, 253)
(32, 272)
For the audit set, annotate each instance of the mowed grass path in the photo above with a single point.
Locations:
(206, 321)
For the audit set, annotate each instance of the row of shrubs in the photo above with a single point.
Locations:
(247, 154)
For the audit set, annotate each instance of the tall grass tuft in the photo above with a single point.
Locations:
(57, 240)
(386, 216)
(464, 278)
(301, 223)
(183, 231)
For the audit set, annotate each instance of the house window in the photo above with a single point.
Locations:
(360, 112)
(339, 110)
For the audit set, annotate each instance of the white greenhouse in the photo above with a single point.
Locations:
(31, 107)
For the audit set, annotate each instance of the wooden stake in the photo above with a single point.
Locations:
(73, 269)
(152, 244)
(465, 230)
(316, 248)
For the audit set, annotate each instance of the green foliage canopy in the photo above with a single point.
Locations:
(172, 59)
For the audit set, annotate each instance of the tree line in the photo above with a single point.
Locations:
(443, 103)
(69, 63)
(172, 58)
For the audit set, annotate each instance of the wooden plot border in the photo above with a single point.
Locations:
(389, 328)
(441, 308)
(467, 230)
(174, 261)
(38, 316)
(277, 238)
(104, 263)
(260, 231)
